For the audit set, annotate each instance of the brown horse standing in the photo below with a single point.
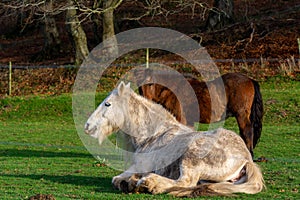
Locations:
(243, 101)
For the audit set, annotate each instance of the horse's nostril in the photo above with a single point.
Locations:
(86, 128)
(89, 129)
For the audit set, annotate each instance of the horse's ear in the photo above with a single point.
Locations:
(128, 85)
(122, 88)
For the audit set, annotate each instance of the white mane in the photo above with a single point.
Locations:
(149, 119)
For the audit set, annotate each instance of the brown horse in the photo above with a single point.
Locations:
(243, 101)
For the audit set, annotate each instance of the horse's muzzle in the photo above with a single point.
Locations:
(88, 129)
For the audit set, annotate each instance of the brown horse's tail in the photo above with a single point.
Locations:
(257, 112)
(253, 184)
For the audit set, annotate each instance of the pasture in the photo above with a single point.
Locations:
(41, 153)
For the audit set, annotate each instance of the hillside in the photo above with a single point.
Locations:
(263, 38)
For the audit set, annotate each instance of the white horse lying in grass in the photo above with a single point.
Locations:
(170, 157)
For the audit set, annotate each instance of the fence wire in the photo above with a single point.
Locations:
(56, 79)
(248, 60)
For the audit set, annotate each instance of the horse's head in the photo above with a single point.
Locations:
(110, 114)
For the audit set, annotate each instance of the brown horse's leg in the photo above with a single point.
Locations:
(246, 131)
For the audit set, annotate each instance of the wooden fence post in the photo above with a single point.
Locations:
(9, 78)
(298, 40)
(147, 58)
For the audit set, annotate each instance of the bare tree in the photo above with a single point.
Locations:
(79, 11)
(104, 8)
(52, 40)
(40, 11)
(166, 8)
(109, 38)
(217, 15)
(97, 22)
(77, 33)
(221, 14)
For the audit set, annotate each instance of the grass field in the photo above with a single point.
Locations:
(41, 153)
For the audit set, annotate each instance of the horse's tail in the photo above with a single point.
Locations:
(257, 112)
(253, 184)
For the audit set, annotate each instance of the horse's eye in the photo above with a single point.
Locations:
(107, 104)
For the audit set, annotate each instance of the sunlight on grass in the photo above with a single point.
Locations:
(41, 152)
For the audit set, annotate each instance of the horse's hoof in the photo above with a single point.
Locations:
(149, 184)
(124, 187)
(115, 184)
(141, 182)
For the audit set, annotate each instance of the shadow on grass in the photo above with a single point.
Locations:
(40, 153)
(101, 184)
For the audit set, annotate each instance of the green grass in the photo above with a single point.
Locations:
(41, 153)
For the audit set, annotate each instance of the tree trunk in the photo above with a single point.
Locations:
(97, 23)
(109, 38)
(52, 41)
(78, 35)
(221, 15)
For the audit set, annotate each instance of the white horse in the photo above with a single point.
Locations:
(171, 157)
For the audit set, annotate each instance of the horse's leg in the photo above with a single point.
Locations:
(246, 130)
(157, 184)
